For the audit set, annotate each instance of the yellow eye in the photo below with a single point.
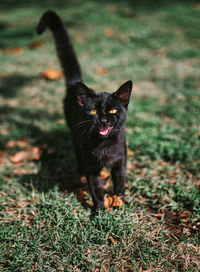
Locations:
(93, 111)
(113, 111)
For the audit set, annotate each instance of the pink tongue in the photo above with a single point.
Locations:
(103, 131)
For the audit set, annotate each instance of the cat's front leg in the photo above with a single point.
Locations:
(95, 186)
(119, 178)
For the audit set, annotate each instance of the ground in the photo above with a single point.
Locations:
(45, 222)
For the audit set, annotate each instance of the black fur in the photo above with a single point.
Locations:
(96, 120)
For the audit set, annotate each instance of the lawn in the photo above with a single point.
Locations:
(45, 222)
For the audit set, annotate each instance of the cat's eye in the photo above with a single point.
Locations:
(113, 111)
(93, 111)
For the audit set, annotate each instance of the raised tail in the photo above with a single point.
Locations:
(64, 47)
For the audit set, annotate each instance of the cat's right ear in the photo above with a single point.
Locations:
(83, 93)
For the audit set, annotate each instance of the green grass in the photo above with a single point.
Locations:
(45, 223)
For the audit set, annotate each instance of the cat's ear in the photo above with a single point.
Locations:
(124, 93)
(83, 93)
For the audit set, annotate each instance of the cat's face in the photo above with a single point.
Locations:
(105, 112)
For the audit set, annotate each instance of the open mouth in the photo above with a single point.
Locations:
(105, 130)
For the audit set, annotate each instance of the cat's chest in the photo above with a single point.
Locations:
(107, 155)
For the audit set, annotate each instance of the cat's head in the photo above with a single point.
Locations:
(106, 111)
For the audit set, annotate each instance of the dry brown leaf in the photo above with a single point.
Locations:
(100, 70)
(18, 157)
(22, 143)
(184, 214)
(117, 201)
(89, 203)
(112, 239)
(4, 131)
(60, 121)
(129, 130)
(33, 153)
(13, 50)
(107, 202)
(52, 73)
(196, 5)
(19, 172)
(171, 180)
(2, 157)
(104, 174)
(88, 252)
(140, 199)
(81, 195)
(129, 153)
(36, 44)
(159, 215)
(79, 38)
(11, 143)
(108, 32)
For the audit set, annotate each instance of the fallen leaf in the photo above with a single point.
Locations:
(129, 130)
(2, 157)
(129, 152)
(107, 202)
(11, 143)
(52, 73)
(79, 38)
(100, 70)
(22, 143)
(159, 215)
(13, 50)
(88, 251)
(171, 180)
(196, 5)
(60, 121)
(81, 195)
(19, 172)
(35, 45)
(18, 157)
(104, 174)
(117, 201)
(112, 239)
(33, 153)
(141, 199)
(108, 32)
(4, 131)
(184, 214)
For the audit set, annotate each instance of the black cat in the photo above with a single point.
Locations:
(96, 120)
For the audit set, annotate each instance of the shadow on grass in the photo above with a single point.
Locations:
(58, 166)
(10, 85)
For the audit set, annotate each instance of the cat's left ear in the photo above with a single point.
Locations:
(124, 93)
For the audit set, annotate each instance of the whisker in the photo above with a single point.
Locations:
(82, 122)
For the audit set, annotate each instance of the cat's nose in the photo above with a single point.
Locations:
(104, 120)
